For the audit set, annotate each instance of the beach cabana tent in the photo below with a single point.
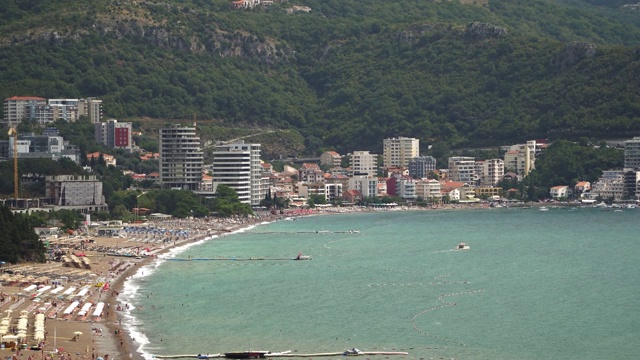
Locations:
(9, 338)
(98, 309)
(71, 307)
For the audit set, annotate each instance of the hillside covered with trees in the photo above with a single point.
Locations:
(346, 74)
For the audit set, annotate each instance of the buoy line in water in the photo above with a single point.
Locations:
(306, 232)
(445, 305)
(421, 284)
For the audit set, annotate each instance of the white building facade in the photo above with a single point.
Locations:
(521, 158)
(397, 152)
(429, 190)
(364, 163)
(366, 185)
(237, 165)
(491, 171)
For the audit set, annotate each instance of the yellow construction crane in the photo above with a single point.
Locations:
(13, 132)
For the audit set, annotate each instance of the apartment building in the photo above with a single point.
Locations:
(364, 163)
(366, 185)
(43, 111)
(91, 107)
(397, 152)
(18, 108)
(521, 158)
(609, 185)
(330, 158)
(632, 153)
(114, 134)
(421, 166)
(310, 173)
(181, 158)
(238, 166)
(406, 188)
(429, 190)
(67, 109)
(489, 172)
(463, 169)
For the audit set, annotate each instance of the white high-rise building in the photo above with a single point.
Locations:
(397, 152)
(364, 163)
(180, 158)
(237, 165)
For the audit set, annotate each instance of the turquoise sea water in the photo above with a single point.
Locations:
(561, 284)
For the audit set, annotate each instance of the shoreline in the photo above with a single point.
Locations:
(100, 338)
(130, 346)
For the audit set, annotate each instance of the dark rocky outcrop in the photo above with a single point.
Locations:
(479, 31)
(572, 54)
(226, 44)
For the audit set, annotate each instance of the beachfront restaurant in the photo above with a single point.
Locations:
(109, 231)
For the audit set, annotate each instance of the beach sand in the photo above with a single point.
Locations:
(101, 337)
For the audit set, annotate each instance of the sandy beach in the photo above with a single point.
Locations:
(90, 273)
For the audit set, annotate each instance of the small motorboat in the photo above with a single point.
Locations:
(462, 246)
(302, 257)
(352, 352)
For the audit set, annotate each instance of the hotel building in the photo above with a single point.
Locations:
(397, 152)
(238, 166)
(364, 164)
(180, 158)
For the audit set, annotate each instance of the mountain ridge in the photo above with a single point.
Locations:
(344, 75)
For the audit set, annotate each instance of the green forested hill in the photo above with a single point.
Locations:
(345, 75)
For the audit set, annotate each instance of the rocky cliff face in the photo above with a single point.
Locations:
(473, 31)
(177, 37)
(479, 31)
(413, 33)
(572, 54)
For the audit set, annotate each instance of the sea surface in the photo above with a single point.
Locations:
(562, 284)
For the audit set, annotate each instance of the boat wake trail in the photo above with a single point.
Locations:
(443, 251)
(442, 298)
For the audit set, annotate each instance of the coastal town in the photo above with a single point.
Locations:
(402, 173)
(68, 307)
(253, 179)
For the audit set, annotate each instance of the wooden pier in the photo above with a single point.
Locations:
(289, 354)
